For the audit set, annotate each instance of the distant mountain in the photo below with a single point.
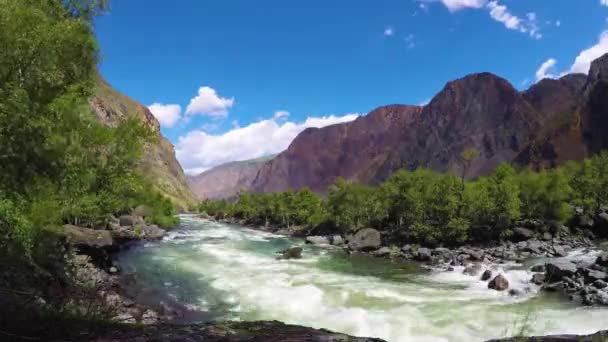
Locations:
(226, 180)
(159, 162)
(551, 122)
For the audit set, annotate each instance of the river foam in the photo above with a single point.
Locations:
(240, 268)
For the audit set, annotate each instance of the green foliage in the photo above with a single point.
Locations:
(430, 208)
(57, 164)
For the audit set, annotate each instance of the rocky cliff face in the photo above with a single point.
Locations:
(353, 150)
(159, 162)
(225, 181)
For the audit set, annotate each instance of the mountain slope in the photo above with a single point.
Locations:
(548, 124)
(159, 162)
(353, 150)
(226, 180)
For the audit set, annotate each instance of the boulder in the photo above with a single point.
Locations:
(153, 232)
(600, 284)
(472, 270)
(547, 237)
(367, 239)
(337, 240)
(538, 278)
(499, 283)
(318, 240)
(383, 252)
(85, 237)
(522, 234)
(423, 254)
(558, 269)
(486, 275)
(602, 260)
(559, 251)
(593, 275)
(584, 221)
(538, 268)
(514, 292)
(142, 211)
(127, 221)
(292, 253)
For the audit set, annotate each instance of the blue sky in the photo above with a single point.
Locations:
(237, 79)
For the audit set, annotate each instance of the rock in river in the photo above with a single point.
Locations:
(367, 239)
(317, 240)
(292, 253)
(499, 283)
(557, 269)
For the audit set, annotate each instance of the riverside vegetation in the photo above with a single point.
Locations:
(431, 209)
(57, 164)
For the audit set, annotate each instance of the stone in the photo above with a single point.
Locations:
(406, 248)
(538, 278)
(317, 240)
(514, 292)
(367, 239)
(472, 270)
(553, 287)
(538, 268)
(113, 270)
(423, 254)
(559, 251)
(602, 260)
(292, 253)
(547, 237)
(153, 232)
(383, 252)
(337, 240)
(593, 275)
(558, 269)
(126, 221)
(499, 283)
(143, 211)
(85, 237)
(487, 274)
(522, 234)
(600, 284)
(585, 221)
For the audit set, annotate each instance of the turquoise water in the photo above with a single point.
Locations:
(223, 272)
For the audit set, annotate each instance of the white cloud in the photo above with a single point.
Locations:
(208, 102)
(410, 41)
(455, 5)
(546, 69)
(281, 114)
(166, 114)
(559, 23)
(199, 150)
(604, 2)
(498, 12)
(501, 14)
(582, 63)
(389, 32)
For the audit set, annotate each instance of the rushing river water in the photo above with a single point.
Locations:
(227, 272)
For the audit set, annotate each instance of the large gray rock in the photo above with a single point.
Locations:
(292, 253)
(602, 260)
(558, 269)
(85, 237)
(367, 239)
(472, 270)
(337, 240)
(499, 283)
(153, 232)
(538, 278)
(423, 254)
(383, 252)
(318, 240)
(487, 274)
(520, 233)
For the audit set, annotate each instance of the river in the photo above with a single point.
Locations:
(224, 272)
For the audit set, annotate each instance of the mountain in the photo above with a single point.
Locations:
(226, 180)
(553, 121)
(159, 162)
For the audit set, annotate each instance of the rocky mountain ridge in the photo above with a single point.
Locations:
(554, 121)
(111, 107)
